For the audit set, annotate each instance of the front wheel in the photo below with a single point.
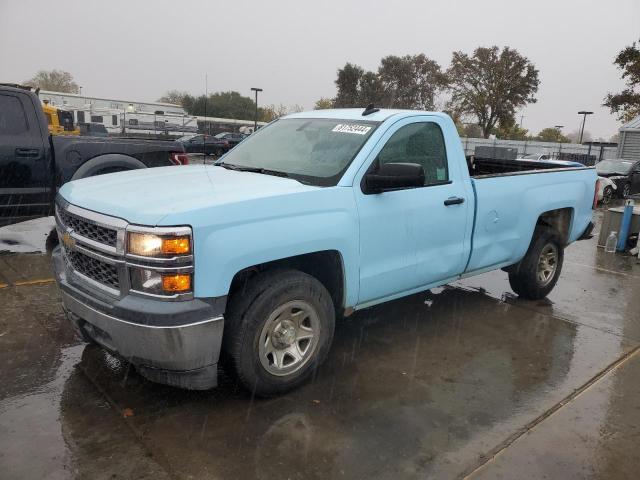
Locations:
(540, 268)
(607, 195)
(278, 331)
(626, 190)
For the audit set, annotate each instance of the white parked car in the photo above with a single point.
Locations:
(606, 190)
(535, 156)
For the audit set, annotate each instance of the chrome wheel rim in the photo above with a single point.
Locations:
(289, 338)
(626, 191)
(607, 194)
(547, 264)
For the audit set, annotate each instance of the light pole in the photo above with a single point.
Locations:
(584, 119)
(255, 122)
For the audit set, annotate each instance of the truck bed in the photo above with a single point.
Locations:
(509, 193)
(493, 167)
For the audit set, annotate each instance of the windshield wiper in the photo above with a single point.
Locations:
(264, 171)
(238, 168)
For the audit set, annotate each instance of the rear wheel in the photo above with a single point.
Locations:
(540, 268)
(607, 195)
(278, 331)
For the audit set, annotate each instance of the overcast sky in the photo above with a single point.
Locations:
(137, 49)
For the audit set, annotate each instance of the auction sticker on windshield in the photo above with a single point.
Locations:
(351, 128)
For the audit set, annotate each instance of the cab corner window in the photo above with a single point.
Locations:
(421, 143)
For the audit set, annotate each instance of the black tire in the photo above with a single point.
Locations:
(525, 280)
(245, 323)
(607, 195)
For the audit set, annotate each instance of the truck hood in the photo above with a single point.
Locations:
(148, 196)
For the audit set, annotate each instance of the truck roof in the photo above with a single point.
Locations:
(356, 114)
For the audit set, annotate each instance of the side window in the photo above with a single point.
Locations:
(13, 120)
(114, 120)
(421, 143)
(96, 118)
(80, 116)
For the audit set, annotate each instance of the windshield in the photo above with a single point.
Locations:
(316, 151)
(608, 167)
(221, 135)
(531, 156)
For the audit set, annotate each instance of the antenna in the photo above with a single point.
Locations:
(369, 110)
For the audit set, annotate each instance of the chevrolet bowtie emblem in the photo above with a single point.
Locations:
(68, 240)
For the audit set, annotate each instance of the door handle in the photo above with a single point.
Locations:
(27, 152)
(453, 201)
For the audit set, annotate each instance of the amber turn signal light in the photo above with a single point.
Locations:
(150, 245)
(176, 246)
(179, 283)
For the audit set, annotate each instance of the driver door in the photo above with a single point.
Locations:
(412, 237)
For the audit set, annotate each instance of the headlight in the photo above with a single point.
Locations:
(150, 245)
(156, 283)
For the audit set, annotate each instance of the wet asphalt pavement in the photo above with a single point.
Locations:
(465, 380)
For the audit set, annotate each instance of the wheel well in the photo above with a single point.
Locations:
(559, 220)
(109, 160)
(326, 266)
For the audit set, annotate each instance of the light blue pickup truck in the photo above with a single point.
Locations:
(252, 260)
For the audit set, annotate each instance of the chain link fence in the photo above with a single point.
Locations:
(585, 154)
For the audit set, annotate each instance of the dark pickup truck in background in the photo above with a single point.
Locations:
(34, 164)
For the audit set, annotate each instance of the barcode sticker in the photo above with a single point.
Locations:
(351, 128)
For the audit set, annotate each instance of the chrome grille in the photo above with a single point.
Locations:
(94, 269)
(97, 233)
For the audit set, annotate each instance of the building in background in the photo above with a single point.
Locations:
(629, 142)
(133, 118)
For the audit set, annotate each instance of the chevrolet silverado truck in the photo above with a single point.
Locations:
(34, 163)
(248, 262)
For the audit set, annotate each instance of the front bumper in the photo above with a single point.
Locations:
(175, 343)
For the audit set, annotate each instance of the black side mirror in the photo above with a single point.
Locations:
(393, 176)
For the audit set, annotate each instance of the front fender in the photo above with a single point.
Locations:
(303, 225)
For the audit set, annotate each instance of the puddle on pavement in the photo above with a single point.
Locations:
(409, 389)
(420, 386)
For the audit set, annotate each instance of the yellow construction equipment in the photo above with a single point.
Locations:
(60, 121)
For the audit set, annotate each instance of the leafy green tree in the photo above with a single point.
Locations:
(472, 130)
(412, 81)
(626, 104)
(54, 80)
(271, 112)
(323, 103)
(348, 85)
(511, 131)
(491, 85)
(176, 97)
(552, 134)
(222, 105)
(371, 90)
